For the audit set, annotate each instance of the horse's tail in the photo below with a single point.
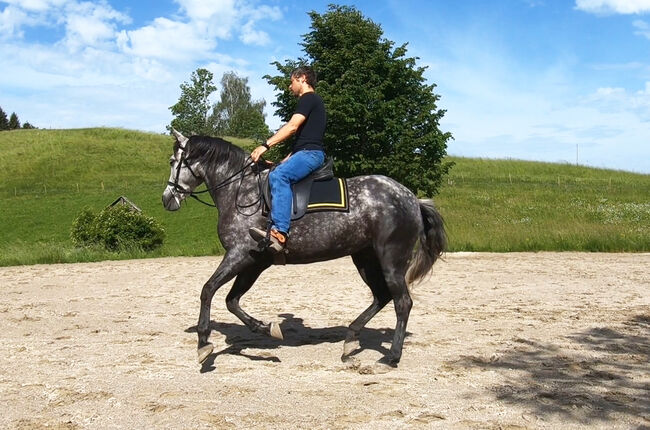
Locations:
(431, 245)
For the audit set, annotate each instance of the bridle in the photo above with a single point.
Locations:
(229, 180)
(183, 161)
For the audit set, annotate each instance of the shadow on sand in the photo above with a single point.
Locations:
(296, 333)
(600, 374)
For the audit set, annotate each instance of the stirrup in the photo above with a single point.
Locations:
(257, 234)
(268, 240)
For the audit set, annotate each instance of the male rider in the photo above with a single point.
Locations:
(307, 153)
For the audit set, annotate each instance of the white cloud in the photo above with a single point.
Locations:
(36, 5)
(167, 40)
(222, 18)
(614, 6)
(89, 24)
(217, 17)
(207, 21)
(250, 36)
(198, 10)
(85, 23)
(642, 28)
(11, 21)
(608, 99)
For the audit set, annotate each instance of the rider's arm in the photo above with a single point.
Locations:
(287, 130)
(284, 132)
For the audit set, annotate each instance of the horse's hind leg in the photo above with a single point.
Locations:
(370, 270)
(403, 303)
(393, 253)
(243, 283)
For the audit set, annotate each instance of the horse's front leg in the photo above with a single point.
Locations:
(243, 283)
(231, 265)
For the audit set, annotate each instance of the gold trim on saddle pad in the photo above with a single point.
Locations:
(341, 204)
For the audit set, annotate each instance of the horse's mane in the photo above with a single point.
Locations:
(213, 152)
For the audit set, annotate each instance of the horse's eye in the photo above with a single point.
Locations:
(171, 161)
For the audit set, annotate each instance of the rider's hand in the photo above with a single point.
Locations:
(257, 153)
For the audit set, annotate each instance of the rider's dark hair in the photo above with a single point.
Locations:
(307, 72)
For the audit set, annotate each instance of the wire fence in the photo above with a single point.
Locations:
(557, 180)
(46, 188)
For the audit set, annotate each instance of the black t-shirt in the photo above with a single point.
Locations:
(310, 133)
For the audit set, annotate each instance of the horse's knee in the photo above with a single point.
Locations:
(206, 293)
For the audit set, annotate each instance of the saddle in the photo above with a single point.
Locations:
(303, 194)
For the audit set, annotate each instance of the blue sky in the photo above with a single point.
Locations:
(546, 80)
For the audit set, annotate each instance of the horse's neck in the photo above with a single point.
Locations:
(224, 197)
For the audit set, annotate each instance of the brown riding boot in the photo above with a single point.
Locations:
(278, 241)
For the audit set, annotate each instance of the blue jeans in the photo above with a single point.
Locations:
(297, 167)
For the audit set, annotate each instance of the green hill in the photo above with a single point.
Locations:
(48, 176)
(511, 205)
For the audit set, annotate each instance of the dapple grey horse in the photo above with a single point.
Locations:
(393, 238)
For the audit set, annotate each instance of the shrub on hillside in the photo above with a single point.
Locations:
(116, 229)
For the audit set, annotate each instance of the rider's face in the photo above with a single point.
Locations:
(296, 85)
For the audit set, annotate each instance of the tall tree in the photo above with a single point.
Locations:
(14, 122)
(191, 110)
(382, 115)
(236, 114)
(4, 122)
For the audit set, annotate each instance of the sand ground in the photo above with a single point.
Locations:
(503, 341)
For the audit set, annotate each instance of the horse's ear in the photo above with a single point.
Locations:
(181, 139)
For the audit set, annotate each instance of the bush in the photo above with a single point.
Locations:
(82, 233)
(117, 229)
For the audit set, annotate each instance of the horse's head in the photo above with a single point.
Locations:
(183, 178)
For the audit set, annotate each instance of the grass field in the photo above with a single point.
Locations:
(48, 176)
(508, 205)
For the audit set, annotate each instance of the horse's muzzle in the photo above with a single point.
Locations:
(170, 200)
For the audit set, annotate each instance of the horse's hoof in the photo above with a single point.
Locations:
(351, 362)
(388, 362)
(350, 346)
(274, 330)
(204, 352)
(378, 368)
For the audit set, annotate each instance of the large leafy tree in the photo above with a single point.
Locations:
(382, 115)
(236, 114)
(4, 122)
(191, 110)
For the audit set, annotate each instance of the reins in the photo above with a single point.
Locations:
(229, 180)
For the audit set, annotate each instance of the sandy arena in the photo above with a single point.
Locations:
(495, 341)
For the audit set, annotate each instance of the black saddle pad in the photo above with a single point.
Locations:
(328, 195)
